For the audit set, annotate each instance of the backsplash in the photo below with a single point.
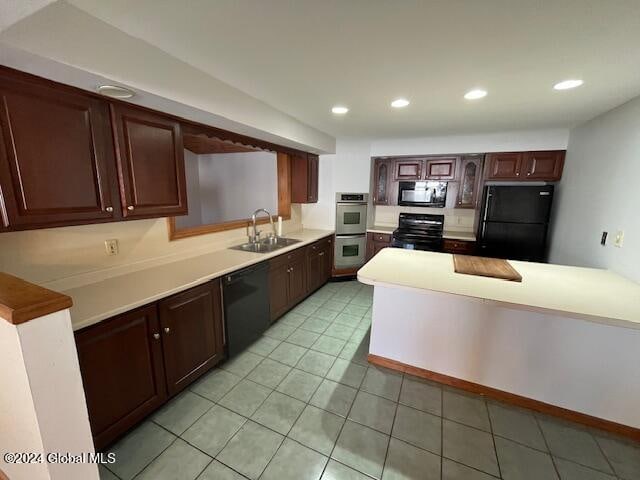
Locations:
(66, 257)
(455, 219)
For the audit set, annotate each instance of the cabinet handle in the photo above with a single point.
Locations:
(321, 254)
(156, 336)
(130, 208)
(109, 209)
(167, 330)
(528, 174)
(517, 174)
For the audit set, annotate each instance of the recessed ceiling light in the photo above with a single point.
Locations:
(339, 110)
(115, 91)
(475, 94)
(567, 84)
(400, 102)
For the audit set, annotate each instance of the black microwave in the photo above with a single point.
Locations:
(422, 194)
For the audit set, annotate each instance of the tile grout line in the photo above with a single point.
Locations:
(615, 473)
(493, 437)
(393, 422)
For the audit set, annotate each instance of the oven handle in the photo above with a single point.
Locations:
(361, 235)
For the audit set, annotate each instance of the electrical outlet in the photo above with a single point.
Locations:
(619, 240)
(111, 246)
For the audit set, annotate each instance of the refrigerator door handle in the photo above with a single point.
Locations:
(486, 212)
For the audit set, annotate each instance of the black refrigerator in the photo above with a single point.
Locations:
(514, 222)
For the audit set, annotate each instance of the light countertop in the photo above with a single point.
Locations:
(101, 300)
(588, 293)
(449, 234)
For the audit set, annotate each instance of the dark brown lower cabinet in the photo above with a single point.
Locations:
(192, 341)
(131, 364)
(319, 263)
(122, 371)
(462, 247)
(293, 276)
(376, 242)
(287, 281)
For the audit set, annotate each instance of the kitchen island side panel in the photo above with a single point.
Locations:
(567, 362)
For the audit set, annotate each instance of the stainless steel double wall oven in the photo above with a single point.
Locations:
(351, 229)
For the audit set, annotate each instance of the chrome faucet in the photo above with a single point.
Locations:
(256, 235)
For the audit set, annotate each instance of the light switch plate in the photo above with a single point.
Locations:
(619, 240)
(111, 246)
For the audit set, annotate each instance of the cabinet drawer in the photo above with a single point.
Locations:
(459, 246)
(381, 237)
(320, 245)
(286, 258)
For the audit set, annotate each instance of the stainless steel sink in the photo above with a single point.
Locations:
(267, 245)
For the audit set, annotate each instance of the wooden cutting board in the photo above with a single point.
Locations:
(485, 267)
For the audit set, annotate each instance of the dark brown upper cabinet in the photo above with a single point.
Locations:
(470, 176)
(304, 178)
(56, 156)
(381, 181)
(544, 165)
(525, 166)
(441, 168)
(410, 169)
(150, 159)
(504, 166)
(192, 338)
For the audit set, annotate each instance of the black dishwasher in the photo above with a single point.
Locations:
(246, 306)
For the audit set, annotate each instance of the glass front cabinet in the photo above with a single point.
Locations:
(470, 175)
(381, 178)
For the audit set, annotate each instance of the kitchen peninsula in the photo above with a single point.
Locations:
(564, 341)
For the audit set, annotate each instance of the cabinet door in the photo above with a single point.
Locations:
(381, 182)
(470, 176)
(312, 194)
(150, 160)
(304, 178)
(327, 261)
(504, 166)
(407, 169)
(315, 268)
(297, 279)
(56, 156)
(544, 165)
(278, 288)
(122, 373)
(191, 325)
(441, 168)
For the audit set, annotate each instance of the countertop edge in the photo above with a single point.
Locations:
(447, 234)
(516, 306)
(260, 257)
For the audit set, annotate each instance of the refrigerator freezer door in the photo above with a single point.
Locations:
(518, 204)
(515, 241)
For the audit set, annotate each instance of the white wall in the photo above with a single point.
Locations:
(555, 139)
(599, 192)
(348, 170)
(229, 186)
(192, 175)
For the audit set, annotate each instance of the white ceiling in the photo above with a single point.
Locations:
(304, 56)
